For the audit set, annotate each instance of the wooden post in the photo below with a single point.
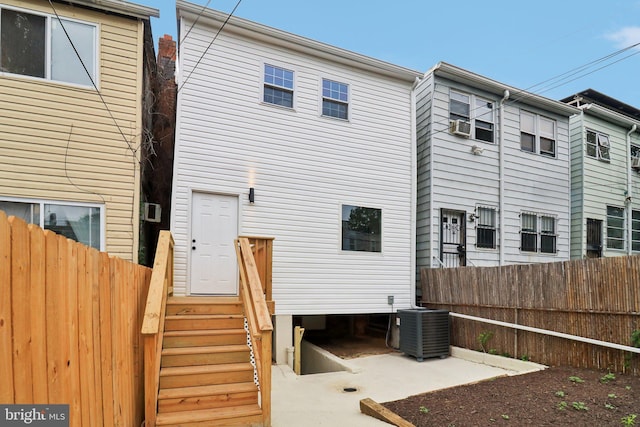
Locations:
(265, 381)
(297, 340)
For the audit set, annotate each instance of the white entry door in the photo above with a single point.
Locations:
(214, 226)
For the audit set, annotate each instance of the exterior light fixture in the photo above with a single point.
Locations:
(252, 195)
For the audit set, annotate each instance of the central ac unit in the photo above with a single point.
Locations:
(424, 333)
(460, 128)
(635, 163)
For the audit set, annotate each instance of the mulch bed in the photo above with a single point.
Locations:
(543, 398)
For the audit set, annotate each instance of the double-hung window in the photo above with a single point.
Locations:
(278, 86)
(537, 134)
(335, 99)
(481, 117)
(486, 228)
(538, 233)
(598, 146)
(43, 46)
(635, 230)
(615, 227)
(77, 222)
(361, 229)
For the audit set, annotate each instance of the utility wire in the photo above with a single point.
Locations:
(209, 46)
(133, 151)
(195, 22)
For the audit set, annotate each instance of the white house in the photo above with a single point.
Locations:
(283, 136)
(493, 172)
(605, 179)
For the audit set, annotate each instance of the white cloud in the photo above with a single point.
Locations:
(625, 37)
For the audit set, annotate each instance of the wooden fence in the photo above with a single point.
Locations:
(593, 298)
(70, 320)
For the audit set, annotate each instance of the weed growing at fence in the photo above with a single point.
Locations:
(608, 377)
(484, 338)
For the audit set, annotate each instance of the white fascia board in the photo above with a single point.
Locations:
(121, 7)
(293, 42)
(611, 116)
(451, 72)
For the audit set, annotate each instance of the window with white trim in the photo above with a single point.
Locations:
(635, 230)
(486, 228)
(77, 222)
(36, 45)
(335, 99)
(538, 233)
(598, 145)
(537, 134)
(615, 228)
(278, 86)
(481, 117)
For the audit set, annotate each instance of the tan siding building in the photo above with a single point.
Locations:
(70, 154)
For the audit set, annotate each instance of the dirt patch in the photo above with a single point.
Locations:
(352, 347)
(552, 397)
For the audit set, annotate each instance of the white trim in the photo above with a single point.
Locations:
(321, 98)
(294, 90)
(41, 202)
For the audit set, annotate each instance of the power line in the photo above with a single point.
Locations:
(195, 22)
(209, 46)
(86, 70)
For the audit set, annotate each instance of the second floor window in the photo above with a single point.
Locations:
(37, 45)
(335, 99)
(598, 145)
(278, 86)
(481, 116)
(361, 229)
(537, 134)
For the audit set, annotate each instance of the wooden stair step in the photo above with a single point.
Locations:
(231, 416)
(188, 356)
(207, 397)
(203, 321)
(204, 337)
(191, 376)
(203, 305)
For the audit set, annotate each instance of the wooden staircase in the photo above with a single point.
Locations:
(206, 377)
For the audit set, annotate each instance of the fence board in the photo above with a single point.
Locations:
(593, 298)
(70, 318)
(6, 323)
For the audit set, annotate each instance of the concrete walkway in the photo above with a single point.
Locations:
(320, 399)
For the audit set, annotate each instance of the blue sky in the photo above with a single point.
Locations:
(522, 44)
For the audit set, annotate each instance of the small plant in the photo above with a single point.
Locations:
(629, 420)
(635, 338)
(609, 406)
(562, 405)
(560, 393)
(506, 354)
(576, 380)
(505, 416)
(580, 406)
(612, 396)
(607, 378)
(627, 387)
(493, 351)
(524, 357)
(484, 338)
(424, 410)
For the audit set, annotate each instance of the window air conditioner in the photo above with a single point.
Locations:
(635, 163)
(424, 333)
(460, 128)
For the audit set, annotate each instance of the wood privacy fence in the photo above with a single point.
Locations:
(592, 298)
(70, 320)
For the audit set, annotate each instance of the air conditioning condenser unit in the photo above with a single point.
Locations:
(424, 333)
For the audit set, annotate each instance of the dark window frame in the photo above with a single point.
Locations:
(362, 229)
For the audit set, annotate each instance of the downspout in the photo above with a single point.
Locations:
(414, 192)
(628, 198)
(501, 179)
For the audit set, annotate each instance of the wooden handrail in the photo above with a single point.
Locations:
(160, 287)
(256, 310)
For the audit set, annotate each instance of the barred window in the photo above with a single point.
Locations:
(529, 232)
(486, 228)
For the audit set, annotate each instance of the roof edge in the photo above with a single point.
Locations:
(613, 116)
(463, 76)
(282, 38)
(120, 6)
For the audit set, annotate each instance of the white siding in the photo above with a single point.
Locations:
(463, 181)
(303, 167)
